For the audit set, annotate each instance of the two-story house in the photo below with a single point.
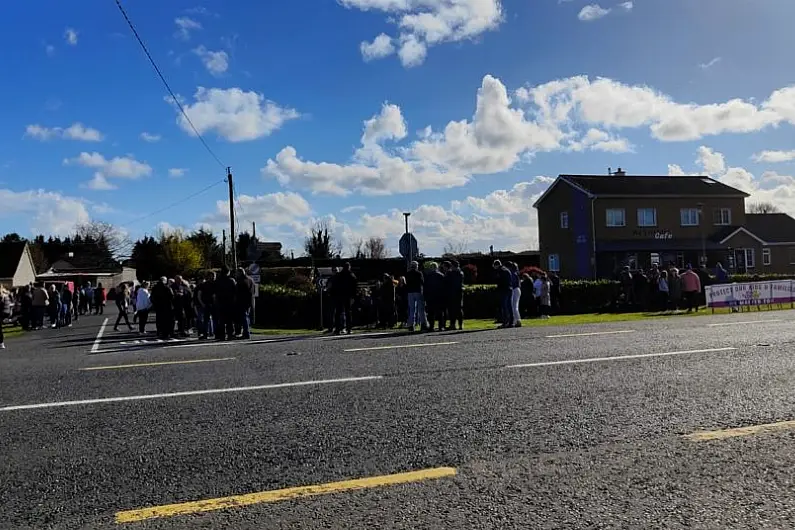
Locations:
(592, 225)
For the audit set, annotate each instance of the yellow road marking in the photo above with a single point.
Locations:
(705, 436)
(162, 363)
(235, 501)
(422, 345)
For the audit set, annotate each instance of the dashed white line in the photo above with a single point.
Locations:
(160, 363)
(590, 334)
(422, 345)
(744, 322)
(98, 341)
(188, 393)
(617, 358)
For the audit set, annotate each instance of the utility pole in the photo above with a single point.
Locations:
(223, 239)
(253, 230)
(232, 233)
(409, 257)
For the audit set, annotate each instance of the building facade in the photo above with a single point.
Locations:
(16, 265)
(590, 226)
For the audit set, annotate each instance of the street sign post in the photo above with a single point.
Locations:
(408, 246)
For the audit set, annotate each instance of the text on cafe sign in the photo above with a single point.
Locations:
(653, 234)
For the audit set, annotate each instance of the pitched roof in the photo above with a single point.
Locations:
(640, 185)
(10, 256)
(771, 227)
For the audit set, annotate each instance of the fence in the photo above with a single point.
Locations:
(751, 294)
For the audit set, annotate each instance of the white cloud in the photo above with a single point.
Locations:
(612, 104)
(50, 49)
(772, 157)
(176, 172)
(70, 35)
(149, 137)
(117, 167)
(216, 62)
(592, 12)
(426, 23)
(713, 163)
(233, 114)
(200, 10)
(710, 64)
(76, 131)
(273, 209)
(378, 49)
(596, 140)
(627, 6)
(184, 27)
(675, 170)
(44, 212)
(351, 209)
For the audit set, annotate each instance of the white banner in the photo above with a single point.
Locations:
(750, 293)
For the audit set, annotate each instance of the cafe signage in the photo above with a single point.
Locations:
(653, 233)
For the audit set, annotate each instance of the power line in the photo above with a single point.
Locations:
(163, 79)
(176, 203)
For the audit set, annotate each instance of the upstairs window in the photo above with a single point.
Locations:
(647, 217)
(689, 216)
(564, 219)
(616, 217)
(722, 216)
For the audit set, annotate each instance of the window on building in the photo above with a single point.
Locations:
(654, 258)
(750, 258)
(554, 263)
(722, 216)
(689, 216)
(766, 256)
(564, 219)
(647, 216)
(616, 217)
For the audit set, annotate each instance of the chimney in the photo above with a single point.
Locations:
(620, 173)
(609, 170)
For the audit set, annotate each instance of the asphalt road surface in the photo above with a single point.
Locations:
(665, 423)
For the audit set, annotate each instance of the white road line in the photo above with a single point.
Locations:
(370, 334)
(744, 322)
(188, 393)
(617, 358)
(590, 334)
(423, 345)
(160, 363)
(220, 343)
(97, 342)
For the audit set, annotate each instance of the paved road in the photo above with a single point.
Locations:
(551, 427)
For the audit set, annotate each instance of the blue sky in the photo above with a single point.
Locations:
(473, 106)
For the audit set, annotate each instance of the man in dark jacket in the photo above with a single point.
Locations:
(343, 291)
(435, 296)
(504, 292)
(163, 304)
(454, 289)
(182, 297)
(415, 286)
(205, 306)
(244, 302)
(386, 300)
(225, 288)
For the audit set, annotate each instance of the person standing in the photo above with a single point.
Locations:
(225, 306)
(6, 311)
(54, 307)
(434, 296)
(415, 286)
(26, 308)
(205, 292)
(66, 306)
(504, 291)
(244, 302)
(163, 304)
(545, 300)
(691, 287)
(76, 301)
(89, 298)
(386, 309)
(39, 302)
(454, 288)
(143, 304)
(516, 294)
(99, 300)
(123, 305)
(344, 292)
(180, 292)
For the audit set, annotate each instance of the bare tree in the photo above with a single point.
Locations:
(455, 247)
(321, 243)
(106, 236)
(356, 250)
(762, 207)
(375, 248)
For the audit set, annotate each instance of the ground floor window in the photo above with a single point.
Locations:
(554, 263)
(749, 257)
(766, 256)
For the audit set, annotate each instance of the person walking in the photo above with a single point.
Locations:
(415, 284)
(123, 305)
(143, 304)
(6, 311)
(244, 303)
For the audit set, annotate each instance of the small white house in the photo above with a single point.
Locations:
(16, 265)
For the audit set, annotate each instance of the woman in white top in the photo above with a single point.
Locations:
(143, 305)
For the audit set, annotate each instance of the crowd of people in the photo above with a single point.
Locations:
(666, 288)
